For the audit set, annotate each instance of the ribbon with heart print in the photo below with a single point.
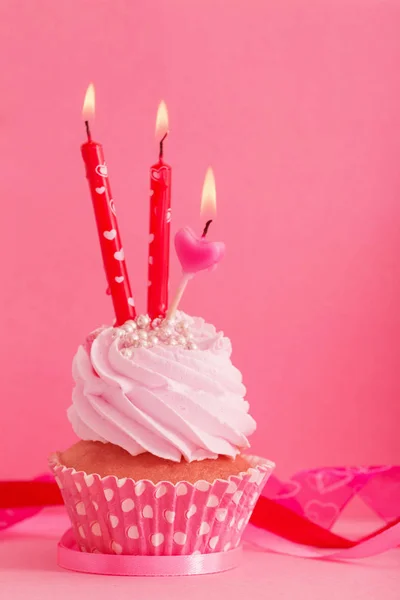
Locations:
(293, 517)
(296, 517)
(320, 495)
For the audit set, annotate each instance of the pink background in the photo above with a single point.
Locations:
(296, 104)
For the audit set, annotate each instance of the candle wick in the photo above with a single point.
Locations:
(206, 228)
(162, 145)
(89, 135)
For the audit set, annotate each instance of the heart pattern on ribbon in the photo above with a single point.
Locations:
(290, 489)
(330, 480)
(323, 513)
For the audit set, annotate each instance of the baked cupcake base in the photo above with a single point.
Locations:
(108, 459)
(114, 515)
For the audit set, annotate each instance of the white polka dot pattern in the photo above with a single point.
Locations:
(157, 539)
(89, 480)
(96, 529)
(80, 508)
(232, 487)
(212, 501)
(109, 494)
(237, 496)
(254, 476)
(181, 490)
(147, 512)
(161, 491)
(114, 521)
(121, 516)
(213, 542)
(133, 532)
(204, 528)
(169, 516)
(127, 505)
(203, 486)
(192, 511)
(220, 514)
(117, 548)
(140, 488)
(180, 538)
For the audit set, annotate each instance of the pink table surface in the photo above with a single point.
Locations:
(28, 570)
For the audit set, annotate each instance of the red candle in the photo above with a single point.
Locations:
(160, 218)
(107, 226)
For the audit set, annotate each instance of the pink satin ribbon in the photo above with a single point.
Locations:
(69, 557)
(375, 545)
(321, 494)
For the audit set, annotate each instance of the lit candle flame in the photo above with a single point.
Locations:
(161, 120)
(89, 103)
(208, 207)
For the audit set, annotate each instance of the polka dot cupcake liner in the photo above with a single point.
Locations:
(122, 516)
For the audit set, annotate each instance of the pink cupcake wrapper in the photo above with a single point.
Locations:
(123, 516)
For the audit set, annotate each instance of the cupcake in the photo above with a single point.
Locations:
(163, 423)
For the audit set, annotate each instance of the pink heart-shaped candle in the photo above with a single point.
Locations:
(196, 253)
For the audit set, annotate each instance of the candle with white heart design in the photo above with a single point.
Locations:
(160, 218)
(196, 253)
(107, 226)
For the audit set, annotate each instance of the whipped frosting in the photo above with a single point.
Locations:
(170, 401)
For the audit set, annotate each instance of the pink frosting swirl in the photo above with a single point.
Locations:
(166, 400)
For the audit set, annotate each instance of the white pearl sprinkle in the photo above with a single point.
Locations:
(153, 339)
(117, 333)
(127, 352)
(169, 323)
(165, 333)
(182, 326)
(132, 338)
(143, 321)
(144, 333)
